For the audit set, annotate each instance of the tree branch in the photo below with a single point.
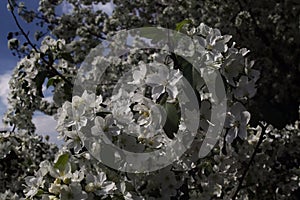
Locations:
(239, 187)
(49, 65)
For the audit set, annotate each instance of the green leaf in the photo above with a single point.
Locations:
(52, 81)
(180, 25)
(162, 99)
(61, 162)
(40, 192)
(187, 70)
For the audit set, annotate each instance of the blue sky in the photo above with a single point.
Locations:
(45, 124)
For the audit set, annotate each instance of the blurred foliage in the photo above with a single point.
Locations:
(20, 156)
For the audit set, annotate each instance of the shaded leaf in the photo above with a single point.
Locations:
(171, 125)
(180, 25)
(52, 81)
(61, 162)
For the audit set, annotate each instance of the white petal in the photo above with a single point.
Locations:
(245, 117)
(231, 134)
(243, 132)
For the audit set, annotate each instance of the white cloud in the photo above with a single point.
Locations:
(45, 125)
(4, 87)
(108, 8)
(67, 7)
(47, 92)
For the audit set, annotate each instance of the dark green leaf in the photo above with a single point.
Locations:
(180, 25)
(61, 162)
(173, 117)
(52, 81)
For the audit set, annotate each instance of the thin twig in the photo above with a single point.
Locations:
(239, 187)
(49, 65)
(20, 27)
(14, 128)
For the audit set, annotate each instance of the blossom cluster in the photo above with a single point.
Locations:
(141, 112)
(131, 120)
(20, 156)
(28, 83)
(80, 176)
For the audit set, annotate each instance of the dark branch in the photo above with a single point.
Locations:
(49, 65)
(20, 27)
(239, 187)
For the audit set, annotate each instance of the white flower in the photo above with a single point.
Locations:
(237, 120)
(122, 112)
(104, 125)
(77, 113)
(91, 102)
(63, 117)
(78, 108)
(150, 117)
(78, 176)
(33, 185)
(139, 75)
(73, 140)
(143, 107)
(164, 80)
(245, 88)
(29, 66)
(99, 185)
(72, 114)
(233, 65)
(213, 40)
(55, 188)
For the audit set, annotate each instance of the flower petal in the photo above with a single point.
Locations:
(231, 134)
